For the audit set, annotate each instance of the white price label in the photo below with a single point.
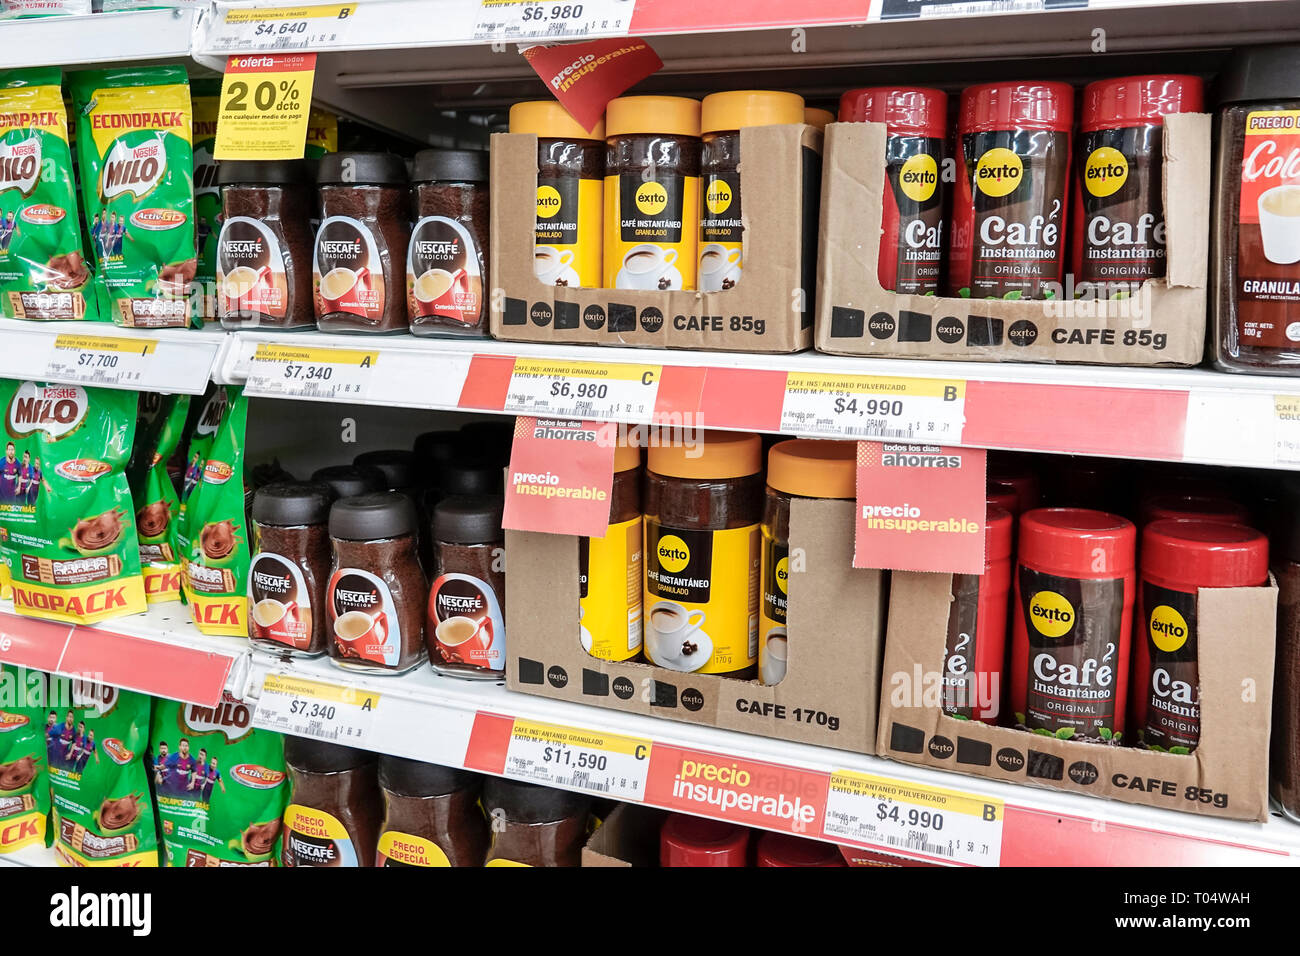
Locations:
(286, 371)
(273, 29)
(913, 9)
(579, 759)
(306, 708)
(913, 819)
(1286, 429)
(591, 390)
(100, 360)
(507, 20)
(874, 407)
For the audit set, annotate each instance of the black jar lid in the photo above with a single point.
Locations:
(361, 169)
(411, 778)
(373, 517)
(450, 166)
(1261, 73)
(468, 519)
(491, 438)
(531, 803)
(398, 466)
(291, 503)
(437, 447)
(317, 756)
(471, 477)
(270, 172)
(348, 481)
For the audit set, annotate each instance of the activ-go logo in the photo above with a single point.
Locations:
(718, 197)
(919, 177)
(118, 751)
(1105, 171)
(651, 198)
(257, 777)
(673, 553)
(1051, 613)
(998, 172)
(548, 202)
(1168, 628)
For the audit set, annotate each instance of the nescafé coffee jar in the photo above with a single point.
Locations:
(466, 626)
(334, 808)
(447, 259)
(290, 568)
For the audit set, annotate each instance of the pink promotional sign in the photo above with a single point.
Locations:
(560, 478)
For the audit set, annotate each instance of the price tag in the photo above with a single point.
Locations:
(99, 359)
(1286, 429)
(913, 9)
(265, 99)
(286, 371)
(874, 407)
(278, 28)
(307, 708)
(579, 759)
(529, 20)
(914, 819)
(592, 390)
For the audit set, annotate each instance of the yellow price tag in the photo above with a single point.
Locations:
(265, 102)
(102, 343)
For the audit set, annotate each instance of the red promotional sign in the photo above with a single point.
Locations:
(586, 76)
(561, 474)
(920, 508)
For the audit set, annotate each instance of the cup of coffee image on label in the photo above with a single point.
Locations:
(772, 640)
(362, 619)
(443, 273)
(281, 602)
(315, 838)
(609, 592)
(466, 628)
(701, 598)
(251, 279)
(567, 250)
(650, 245)
(721, 233)
(347, 272)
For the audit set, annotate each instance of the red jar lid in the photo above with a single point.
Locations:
(778, 849)
(1206, 507)
(1004, 496)
(998, 106)
(694, 841)
(1023, 483)
(1077, 542)
(906, 110)
(997, 534)
(1188, 554)
(1136, 100)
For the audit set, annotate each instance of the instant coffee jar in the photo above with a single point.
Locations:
(687, 840)
(914, 232)
(976, 645)
(1004, 496)
(264, 249)
(797, 468)
(1009, 202)
(722, 116)
(432, 815)
(652, 192)
(817, 117)
(1197, 507)
(466, 627)
(290, 568)
(398, 466)
(570, 183)
(1178, 557)
(1073, 615)
(447, 258)
(781, 849)
(359, 271)
(703, 504)
(1016, 474)
(534, 826)
(334, 808)
(610, 569)
(375, 599)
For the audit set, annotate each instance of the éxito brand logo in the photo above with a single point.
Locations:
(1105, 171)
(718, 198)
(651, 198)
(1051, 614)
(1169, 630)
(783, 575)
(673, 552)
(919, 177)
(998, 172)
(548, 201)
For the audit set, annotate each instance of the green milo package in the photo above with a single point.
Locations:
(67, 524)
(24, 771)
(213, 536)
(157, 506)
(220, 784)
(206, 97)
(99, 784)
(137, 178)
(200, 432)
(43, 274)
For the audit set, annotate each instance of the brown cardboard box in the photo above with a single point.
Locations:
(628, 837)
(769, 310)
(828, 696)
(1163, 324)
(1226, 776)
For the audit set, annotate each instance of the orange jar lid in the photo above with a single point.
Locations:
(741, 108)
(815, 116)
(626, 455)
(814, 468)
(707, 456)
(666, 115)
(547, 119)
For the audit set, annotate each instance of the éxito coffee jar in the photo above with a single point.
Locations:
(914, 232)
(975, 650)
(432, 815)
(782, 849)
(703, 504)
(817, 117)
(290, 568)
(1193, 506)
(533, 825)
(466, 627)
(263, 257)
(652, 192)
(447, 259)
(610, 568)
(334, 809)
(722, 117)
(687, 840)
(567, 235)
(359, 269)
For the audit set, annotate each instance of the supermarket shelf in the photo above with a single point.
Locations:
(101, 39)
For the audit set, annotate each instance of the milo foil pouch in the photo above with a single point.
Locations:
(24, 777)
(200, 432)
(220, 784)
(98, 779)
(213, 536)
(42, 272)
(67, 525)
(137, 178)
(206, 96)
(157, 506)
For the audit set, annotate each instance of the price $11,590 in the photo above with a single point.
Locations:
(578, 759)
(925, 819)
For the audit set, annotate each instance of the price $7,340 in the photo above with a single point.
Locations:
(311, 709)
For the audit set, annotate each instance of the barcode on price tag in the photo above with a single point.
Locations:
(600, 391)
(530, 20)
(99, 360)
(323, 373)
(1286, 429)
(579, 759)
(914, 819)
(874, 407)
(307, 708)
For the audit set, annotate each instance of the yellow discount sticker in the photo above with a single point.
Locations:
(265, 102)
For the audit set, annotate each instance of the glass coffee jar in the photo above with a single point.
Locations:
(334, 807)
(466, 627)
(610, 569)
(534, 826)
(432, 815)
(290, 568)
(703, 502)
(447, 259)
(375, 597)
(359, 266)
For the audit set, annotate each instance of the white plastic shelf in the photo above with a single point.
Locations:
(98, 39)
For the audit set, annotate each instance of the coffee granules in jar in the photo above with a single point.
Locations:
(610, 568)
(447, 259)
(290, 568)
(1178, 557)
(1119, 215)
(652, 192)
(334, 807)
(1074, 593)
(797, 468)
(703, 503)
(432, 815)
(359, 267)
(264, 250)
(781, 849)
(375, 599)
(976, 646)
(722, 116)
(348, 481)
(534, 826)
(687, 840)
(1009, 202)
(570, 182)
(466, 628)
(914, 230)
